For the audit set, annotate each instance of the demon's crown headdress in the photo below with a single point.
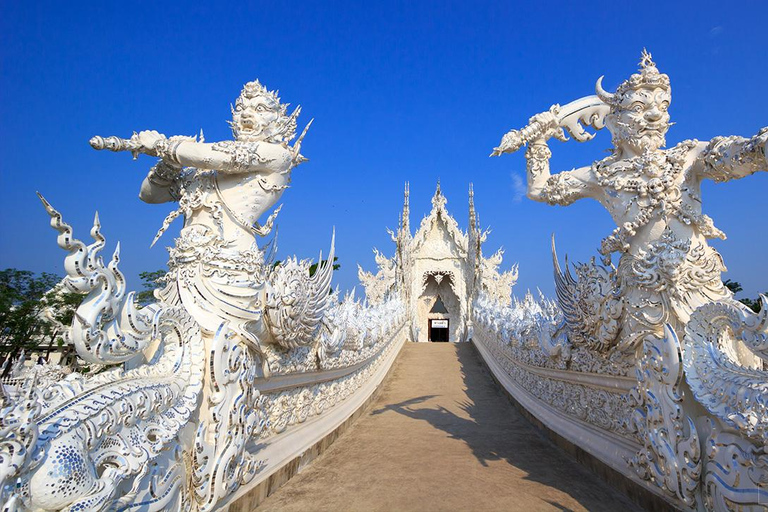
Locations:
(648, 77)
(285, 125)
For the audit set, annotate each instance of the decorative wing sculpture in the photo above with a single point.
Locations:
(591, 310)
(297, 302)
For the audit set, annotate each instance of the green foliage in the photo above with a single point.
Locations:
(753, 304)
(35, 311)
(313, 268)
(734, 286)
(150, 281)
(22, 302)
(62, 306)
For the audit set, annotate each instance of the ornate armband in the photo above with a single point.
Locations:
(562, 189)
(732, 157)
(242, 155)
(166, 175)
(166, 148)
(163, 172)
(537, 156)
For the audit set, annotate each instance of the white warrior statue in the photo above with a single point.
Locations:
(666, 269)
(216, 269)
(249, 311)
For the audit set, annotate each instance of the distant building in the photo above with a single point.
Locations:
(439, 271)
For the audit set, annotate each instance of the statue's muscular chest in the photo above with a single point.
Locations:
(250, 195)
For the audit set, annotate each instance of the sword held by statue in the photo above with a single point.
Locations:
(573, 117)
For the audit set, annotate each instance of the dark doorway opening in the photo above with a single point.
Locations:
(438, 330)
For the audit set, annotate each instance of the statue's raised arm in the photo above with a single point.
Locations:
(733, 157)
(262, 129)
(565, 187)
(562, 188)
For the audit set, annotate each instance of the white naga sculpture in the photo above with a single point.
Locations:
(667, 287)
(181, 419)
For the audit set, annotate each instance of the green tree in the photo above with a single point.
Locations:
(151, 281)
(313, 267)
(60, 306)
(735, 287)
(21, 306)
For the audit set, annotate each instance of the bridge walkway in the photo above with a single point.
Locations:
(443, 436)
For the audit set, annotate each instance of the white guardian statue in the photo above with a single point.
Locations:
(187, 398)
(217, 269)
(666, 267)
(663, 308)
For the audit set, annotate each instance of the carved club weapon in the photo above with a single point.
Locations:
(114, 143)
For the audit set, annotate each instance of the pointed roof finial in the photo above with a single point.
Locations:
(646, 60)
(438, 200)
(405, 223)
(471, 207)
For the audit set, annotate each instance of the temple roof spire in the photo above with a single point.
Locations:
(438, 200)
(472, 215)
(405, 223)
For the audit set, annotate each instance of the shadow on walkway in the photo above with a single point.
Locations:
(443, 436)
(494, 430)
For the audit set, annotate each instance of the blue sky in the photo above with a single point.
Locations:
(400, 91)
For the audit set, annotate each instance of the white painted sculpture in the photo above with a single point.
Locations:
(196, 399)
(439, 262)
(204, 382)
(667, 287)
(667, 268)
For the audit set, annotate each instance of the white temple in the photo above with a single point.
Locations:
(439, 271)
(243, 370)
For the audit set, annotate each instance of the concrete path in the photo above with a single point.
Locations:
(442, 436)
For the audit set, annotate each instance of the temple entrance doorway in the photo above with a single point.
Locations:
(438, 322)
(438, 329)
(439, 310)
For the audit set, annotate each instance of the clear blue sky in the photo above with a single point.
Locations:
(399, 91)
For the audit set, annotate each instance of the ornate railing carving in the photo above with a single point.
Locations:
(698, 402)
(199, 397)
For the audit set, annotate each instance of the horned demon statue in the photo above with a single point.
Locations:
(666, 269)
(667, 286)
(168, 427)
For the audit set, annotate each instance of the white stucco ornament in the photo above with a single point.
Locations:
(243, 365)
(666, 287)
(237, 351)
